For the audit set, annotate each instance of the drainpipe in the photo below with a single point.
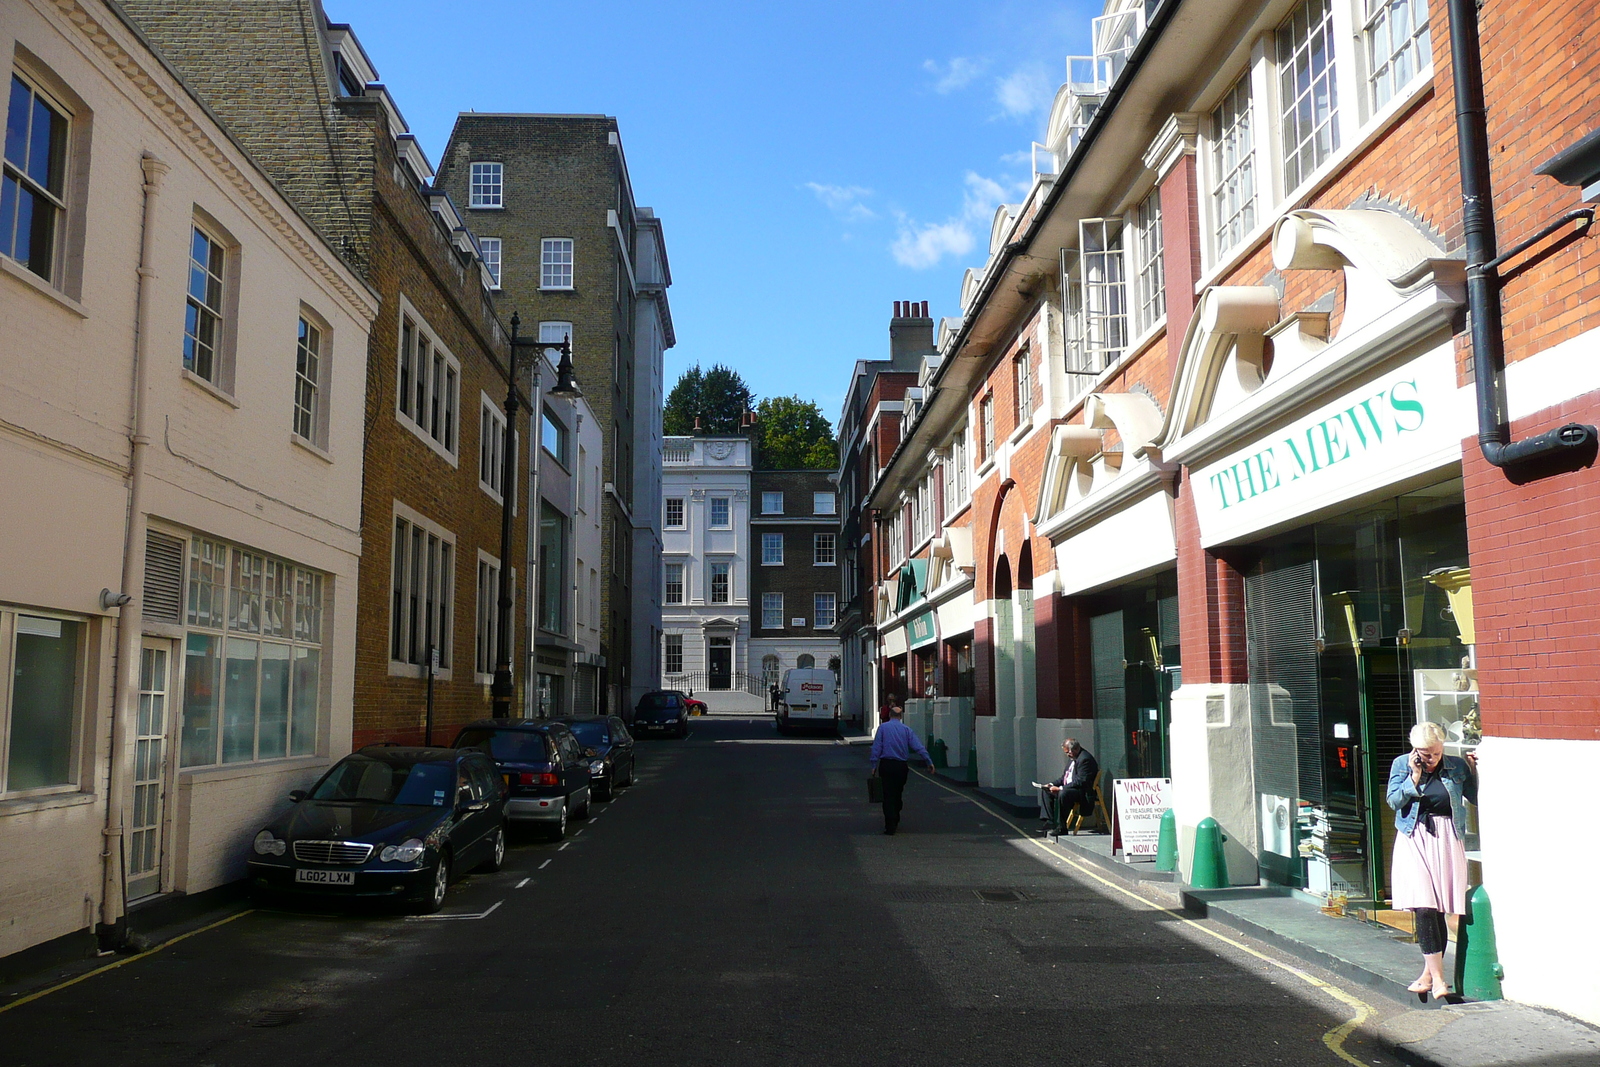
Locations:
(113, 930)
(1483, 282)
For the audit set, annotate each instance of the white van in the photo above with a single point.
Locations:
(808, 696)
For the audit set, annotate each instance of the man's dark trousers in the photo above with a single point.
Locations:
(1055, 806)
(894, 773)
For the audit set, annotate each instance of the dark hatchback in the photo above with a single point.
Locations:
(387, 821)
(609, 746)
(662, 711)
(543, 765)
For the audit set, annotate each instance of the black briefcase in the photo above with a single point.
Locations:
(874, 789)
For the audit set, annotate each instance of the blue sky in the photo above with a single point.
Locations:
(811, 163)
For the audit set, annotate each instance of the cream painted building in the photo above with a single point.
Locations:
(181, 397)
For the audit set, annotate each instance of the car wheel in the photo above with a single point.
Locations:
(587, 799)
(441, 883)
(559, 830)
(497, 851)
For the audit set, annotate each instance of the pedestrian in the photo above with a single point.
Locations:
(892, 748)
(1426, 790)
(1072, 789)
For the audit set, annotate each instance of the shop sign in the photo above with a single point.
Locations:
(1140, 804)
(1391, 428)
(922, 630)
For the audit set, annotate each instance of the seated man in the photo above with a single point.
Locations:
(1072, 789)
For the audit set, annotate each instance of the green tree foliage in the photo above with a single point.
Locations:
(794, 435)
(717, 396)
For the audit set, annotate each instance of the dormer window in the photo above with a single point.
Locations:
(488, 185)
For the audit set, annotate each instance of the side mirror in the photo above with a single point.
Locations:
(296, 795)
(463, 796)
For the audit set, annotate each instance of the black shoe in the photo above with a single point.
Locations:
(889, 832)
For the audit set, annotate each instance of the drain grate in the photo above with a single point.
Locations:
(999, 896)
(270, 1017)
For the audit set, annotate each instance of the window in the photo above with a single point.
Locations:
(806, 662)
(252, 657)
(1307, 98)
(1105, 298)
(721, 514)
(552, 569)
(488, 614)
(822, 550)
(41, 673)
(1022, 379)
(429, 382)
(488, 185)
(721, 583)
(555, 263)
(772, 550)
(772, 611)
(553, 333)
(771, 503)
(490, 248)
(423, 589)
(674, 583)
(824, 504)
(673, 653)
(308, 383)
(491, 447)
(1233, 163)
(553, 436)
(957, 469)
(1398, 45)
(33, 190)
(823, 611)
(1149, 284)
(202, 325)
(986, 428)
(674, 516)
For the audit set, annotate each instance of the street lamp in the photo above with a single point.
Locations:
(504, 688)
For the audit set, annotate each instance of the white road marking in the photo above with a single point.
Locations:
(564, 846)
(543, 865)
(525, 881)
(479, 915)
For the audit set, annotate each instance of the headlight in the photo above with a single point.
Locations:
(267, 845)
(409, 852)
(597, 767)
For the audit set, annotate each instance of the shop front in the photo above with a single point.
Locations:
(1135, 663)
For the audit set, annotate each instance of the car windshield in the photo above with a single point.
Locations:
(512, 746)
(590, 734)
(362, 778)
(652, 701)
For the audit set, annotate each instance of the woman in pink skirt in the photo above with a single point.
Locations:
(1426, 791)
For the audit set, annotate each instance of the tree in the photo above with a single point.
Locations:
(794, 435)
(718, 397)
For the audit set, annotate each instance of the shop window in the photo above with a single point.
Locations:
(41, 684)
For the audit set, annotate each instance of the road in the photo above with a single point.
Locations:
(738, 906)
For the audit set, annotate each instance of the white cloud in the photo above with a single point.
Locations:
(956, 74)
(844, 200)
(1024, 92)
(923, 245)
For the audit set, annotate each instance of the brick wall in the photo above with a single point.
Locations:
(798, 579)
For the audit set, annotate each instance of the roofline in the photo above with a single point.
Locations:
(531, 115)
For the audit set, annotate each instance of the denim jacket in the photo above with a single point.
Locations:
(1459, 781)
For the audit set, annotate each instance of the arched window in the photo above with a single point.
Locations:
(769, 670)
(806, 662)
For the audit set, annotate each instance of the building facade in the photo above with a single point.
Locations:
(1211, 418)
(794, 568)
(181, 406)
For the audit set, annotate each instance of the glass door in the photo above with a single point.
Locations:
(149, 770)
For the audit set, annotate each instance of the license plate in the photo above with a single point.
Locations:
(326, 877)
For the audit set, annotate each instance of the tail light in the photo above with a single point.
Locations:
(547, 778)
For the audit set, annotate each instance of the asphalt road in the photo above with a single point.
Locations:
(739, 905)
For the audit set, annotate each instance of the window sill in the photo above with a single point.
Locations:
(764, 563)
(985, 467)
(427, 439)
(557, 288)
(42, 287)
(215, 390)
(486, 207)
(499, 501)
(51, 802)
(1022, 430)
(296, 439)
(960, 510)
(824, 564)
(397, 669)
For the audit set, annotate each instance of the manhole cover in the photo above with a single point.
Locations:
(1000, 896)
(276, 1017)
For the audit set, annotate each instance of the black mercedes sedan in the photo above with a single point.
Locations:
(609, 747)
(387, 822)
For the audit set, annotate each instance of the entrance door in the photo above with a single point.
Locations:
(149, 769)
(719, 663)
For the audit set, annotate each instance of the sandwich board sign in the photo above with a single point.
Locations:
(1140, 804)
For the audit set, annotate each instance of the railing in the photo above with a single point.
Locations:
(731, 682)
(677, 450)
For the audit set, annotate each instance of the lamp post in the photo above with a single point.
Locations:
(504, 689)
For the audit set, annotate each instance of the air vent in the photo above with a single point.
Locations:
(163, 578)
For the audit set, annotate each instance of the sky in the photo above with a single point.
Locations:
(811, 163)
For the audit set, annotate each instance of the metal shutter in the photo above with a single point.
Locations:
(163, 578)
(1108, 659)
(1281, 623)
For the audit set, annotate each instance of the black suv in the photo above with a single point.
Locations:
(544, 766)
(609, 746)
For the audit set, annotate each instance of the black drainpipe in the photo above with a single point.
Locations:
(1483, 282)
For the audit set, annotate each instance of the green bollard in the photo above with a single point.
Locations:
(941, 755)
(1478, 970)
(1210, 863)
(1167, 843)
(971, 777)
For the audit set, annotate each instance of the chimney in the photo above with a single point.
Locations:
(910, 334)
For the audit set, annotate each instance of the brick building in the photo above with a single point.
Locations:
(334, 140)
(552, 201)
(794, 572)
(1209, 417)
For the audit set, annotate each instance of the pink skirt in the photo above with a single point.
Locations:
(1430, 869)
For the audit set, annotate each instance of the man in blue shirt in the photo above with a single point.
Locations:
(892, 747)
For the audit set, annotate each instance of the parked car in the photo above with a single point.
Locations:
(543, 764)
(387, 821)
(609, 746)
(696, 707)
(662, 711)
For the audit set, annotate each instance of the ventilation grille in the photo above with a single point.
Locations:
(163, 578)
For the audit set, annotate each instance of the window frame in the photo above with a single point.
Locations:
(1419, 42)
(671, 645)
(666, 513)
(1302, 159)
(711, 513)
(769, 541)
(1235, 191)
(319, 386)
(1149, 270)
(487, 201)
(553, 266)
(60, 150)
(817, 613)
(419, 349)
(831, 501)
(667, 584)
(549, 421)
(82, 686)
(491, 250)
(715, 569)
(224, 314)
(772, 611)
(1103, 282)
(491, 447)
(766, 497)
(1022, 387)
(407, 601)
(818, 541)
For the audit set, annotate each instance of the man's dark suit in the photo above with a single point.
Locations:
(1076, 782)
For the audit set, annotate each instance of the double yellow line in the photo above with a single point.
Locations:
(1334, 1038)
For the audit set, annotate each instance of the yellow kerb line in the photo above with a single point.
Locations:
(20, 1001)
(1334, 1038)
